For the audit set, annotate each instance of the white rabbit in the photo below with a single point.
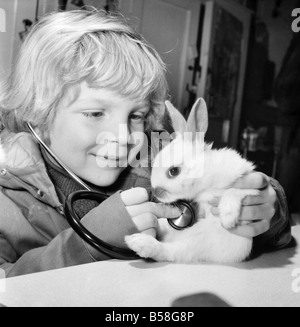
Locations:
(182, 171)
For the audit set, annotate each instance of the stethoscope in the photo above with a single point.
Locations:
(185, 220)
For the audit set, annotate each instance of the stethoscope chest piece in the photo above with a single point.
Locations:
(187, 217)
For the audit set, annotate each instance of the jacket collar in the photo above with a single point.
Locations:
(2, 154)
(22, 167)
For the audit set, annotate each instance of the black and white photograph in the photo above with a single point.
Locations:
(149, 156)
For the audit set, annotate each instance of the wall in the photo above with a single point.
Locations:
(26, 9)
(95, 3)
(269, 44)
(10, 42)
(7, 38)
(279, 28)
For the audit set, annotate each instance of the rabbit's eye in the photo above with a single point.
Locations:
(173, 172)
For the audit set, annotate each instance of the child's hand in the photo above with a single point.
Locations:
(145, 214)
(257, 211)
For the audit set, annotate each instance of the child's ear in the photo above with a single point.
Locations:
(177, 119)
(198, 118)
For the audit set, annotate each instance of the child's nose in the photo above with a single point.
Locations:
(120, 132)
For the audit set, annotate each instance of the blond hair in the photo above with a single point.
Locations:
(66, 48)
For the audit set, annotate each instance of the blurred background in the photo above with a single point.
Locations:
(241, 56)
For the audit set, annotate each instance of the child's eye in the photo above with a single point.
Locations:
(137, 118)
(93, 114)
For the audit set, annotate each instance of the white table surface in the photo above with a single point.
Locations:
(264, 281)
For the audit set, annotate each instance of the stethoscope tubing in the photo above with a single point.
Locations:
(85, 234)
(89, 194)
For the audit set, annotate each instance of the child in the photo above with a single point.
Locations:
(86, 80)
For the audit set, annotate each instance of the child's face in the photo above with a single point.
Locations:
(92, 134)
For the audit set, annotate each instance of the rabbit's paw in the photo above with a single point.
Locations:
(229, 213)
(230, 206)
(145, 246)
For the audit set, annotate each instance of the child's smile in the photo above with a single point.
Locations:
(94, 135)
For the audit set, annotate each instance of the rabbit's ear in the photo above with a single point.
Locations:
(177, 119)
(198, 118)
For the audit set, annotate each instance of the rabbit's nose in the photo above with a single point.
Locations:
(159, 192)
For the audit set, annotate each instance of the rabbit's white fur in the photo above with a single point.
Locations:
(209, 239)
